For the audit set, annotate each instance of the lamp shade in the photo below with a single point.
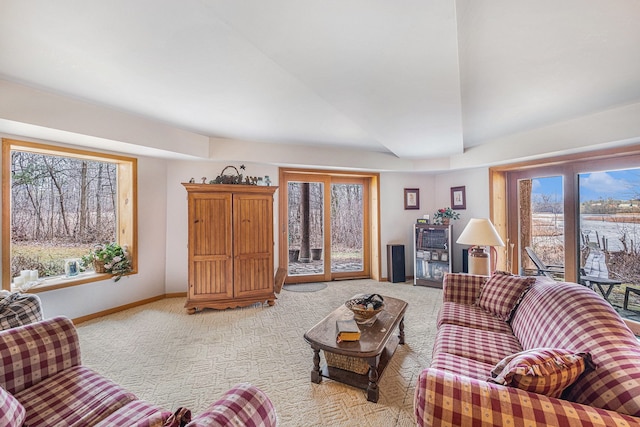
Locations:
(480, 232)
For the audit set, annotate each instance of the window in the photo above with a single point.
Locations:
(57, 204)
(580, 213)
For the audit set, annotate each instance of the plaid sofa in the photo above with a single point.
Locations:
(44, 384)
(456, 390)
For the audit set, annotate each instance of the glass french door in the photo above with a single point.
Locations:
(327, 227)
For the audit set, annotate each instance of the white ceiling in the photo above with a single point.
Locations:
(415, 78)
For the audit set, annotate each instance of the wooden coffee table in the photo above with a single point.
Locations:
(376, 346)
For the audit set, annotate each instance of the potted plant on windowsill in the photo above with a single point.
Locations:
(110, 258)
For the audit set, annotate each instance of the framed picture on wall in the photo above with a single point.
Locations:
(458, 198)
(411, 198)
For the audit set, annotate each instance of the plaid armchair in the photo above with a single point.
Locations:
(44, 384)
(456, 388)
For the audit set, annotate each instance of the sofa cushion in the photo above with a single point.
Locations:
(484, 346)
(76, 396)
(502, 293)
(12, 413)
(470, 316)
(459, 365)
(541, 370)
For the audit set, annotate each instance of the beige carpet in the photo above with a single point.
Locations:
(170, 358)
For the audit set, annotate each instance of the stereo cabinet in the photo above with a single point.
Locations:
(231, 246)
(431, 254)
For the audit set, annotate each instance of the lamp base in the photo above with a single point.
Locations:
(478, 261)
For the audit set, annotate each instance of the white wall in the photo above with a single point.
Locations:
(476, 182)
(396, 223)
(435, 192)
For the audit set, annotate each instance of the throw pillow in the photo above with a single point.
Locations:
(502, 293)
(545, 371)
(12, 412)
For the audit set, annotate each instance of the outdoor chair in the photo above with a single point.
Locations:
(552, 271)
(590, 280)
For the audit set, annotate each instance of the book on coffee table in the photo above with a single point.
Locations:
(347, 330)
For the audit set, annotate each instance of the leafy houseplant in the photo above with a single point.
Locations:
(112, 256)
(444, 215)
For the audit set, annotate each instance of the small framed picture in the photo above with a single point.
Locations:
(434, 256)
(427, 255)
(412, 198)
(458, 198)
(444, 257)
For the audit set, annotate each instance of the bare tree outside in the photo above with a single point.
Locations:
(347, 222)
(60, 208)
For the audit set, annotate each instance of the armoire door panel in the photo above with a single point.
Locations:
(252, 274)
(214, 278)
(212, 216)
(250, 214)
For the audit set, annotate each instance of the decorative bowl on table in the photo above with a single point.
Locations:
(365, 307)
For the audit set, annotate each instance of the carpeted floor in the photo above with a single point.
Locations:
(170, 358)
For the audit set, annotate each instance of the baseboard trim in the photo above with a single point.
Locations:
(88, 317)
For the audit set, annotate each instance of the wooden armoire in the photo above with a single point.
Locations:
(230, 246)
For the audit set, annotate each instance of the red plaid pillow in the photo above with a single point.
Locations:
(502, 293)
(542, 370)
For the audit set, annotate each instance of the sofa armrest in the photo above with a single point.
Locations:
(462, 288)
(243, 405)
(34, 352)
(443, 398)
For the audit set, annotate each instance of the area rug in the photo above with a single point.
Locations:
(305, 287)
(173, 359)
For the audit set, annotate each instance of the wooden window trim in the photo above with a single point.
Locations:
(127, 215)
(372, 225)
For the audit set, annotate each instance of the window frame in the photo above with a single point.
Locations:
(504, 204)
(126, 221)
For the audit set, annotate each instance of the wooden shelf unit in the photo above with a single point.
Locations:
(431, 254)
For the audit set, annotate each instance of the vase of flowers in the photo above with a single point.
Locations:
(444, 216)
(110, 258)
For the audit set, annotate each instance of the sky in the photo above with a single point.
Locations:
(618, 185)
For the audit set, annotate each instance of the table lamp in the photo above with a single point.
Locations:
(479, 233)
